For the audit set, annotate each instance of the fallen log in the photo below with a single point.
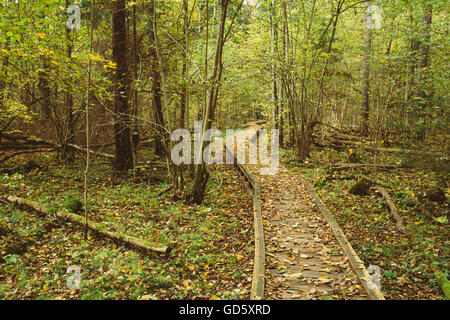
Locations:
(383, 149)
(164, 191)
(27, 141)
(24, 152)
(339, 144)
(95, 153)
(339, 166)
(398, 219)
(348, 137)
(94, 226)
(443, 282)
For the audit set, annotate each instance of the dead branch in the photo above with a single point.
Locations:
(339, 166)
(24, 152)
(27, 142)
(399, 220)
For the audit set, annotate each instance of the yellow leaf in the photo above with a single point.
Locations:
(214, 297)
(185, 283)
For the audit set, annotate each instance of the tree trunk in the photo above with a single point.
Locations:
(44, 87)
(135, 138)
(184, 88)
(427, 20)
(366, 82)
(274, 36)
(156, 84)
(68, 100)
(3, 74)
(425, 90)
(201, 175)
(123, 153)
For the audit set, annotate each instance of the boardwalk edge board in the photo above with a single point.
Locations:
(254, 189)
(356, 263)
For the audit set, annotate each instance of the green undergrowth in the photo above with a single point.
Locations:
(212, 242)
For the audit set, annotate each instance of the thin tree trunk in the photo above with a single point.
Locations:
(427, 20)
(366, 82)
(425, 73)
(3, 74)
(135, 139)
(88, 154)
(44, 86)
(205, 75)
(70, 132)
(156, 84)
(274, 38)
(184, 90)
(201, 176)
(123, 153)
(411, 64)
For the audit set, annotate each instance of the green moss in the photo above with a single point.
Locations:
(443, 283)
(162, 282)
(73, 205)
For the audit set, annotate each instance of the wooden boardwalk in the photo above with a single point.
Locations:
(303, 259)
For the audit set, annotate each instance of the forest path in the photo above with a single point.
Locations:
(303, 259)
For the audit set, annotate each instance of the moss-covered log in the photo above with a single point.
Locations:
(443, 283)
(94, 226)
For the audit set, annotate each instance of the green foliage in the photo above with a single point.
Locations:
(73, 205)
(162, 282)
(443, 283)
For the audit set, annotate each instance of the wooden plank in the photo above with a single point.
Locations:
(254, 189)
(258, 281)
(356, 263)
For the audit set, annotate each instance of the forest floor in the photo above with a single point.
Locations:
(407, 265)
(213, 242)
